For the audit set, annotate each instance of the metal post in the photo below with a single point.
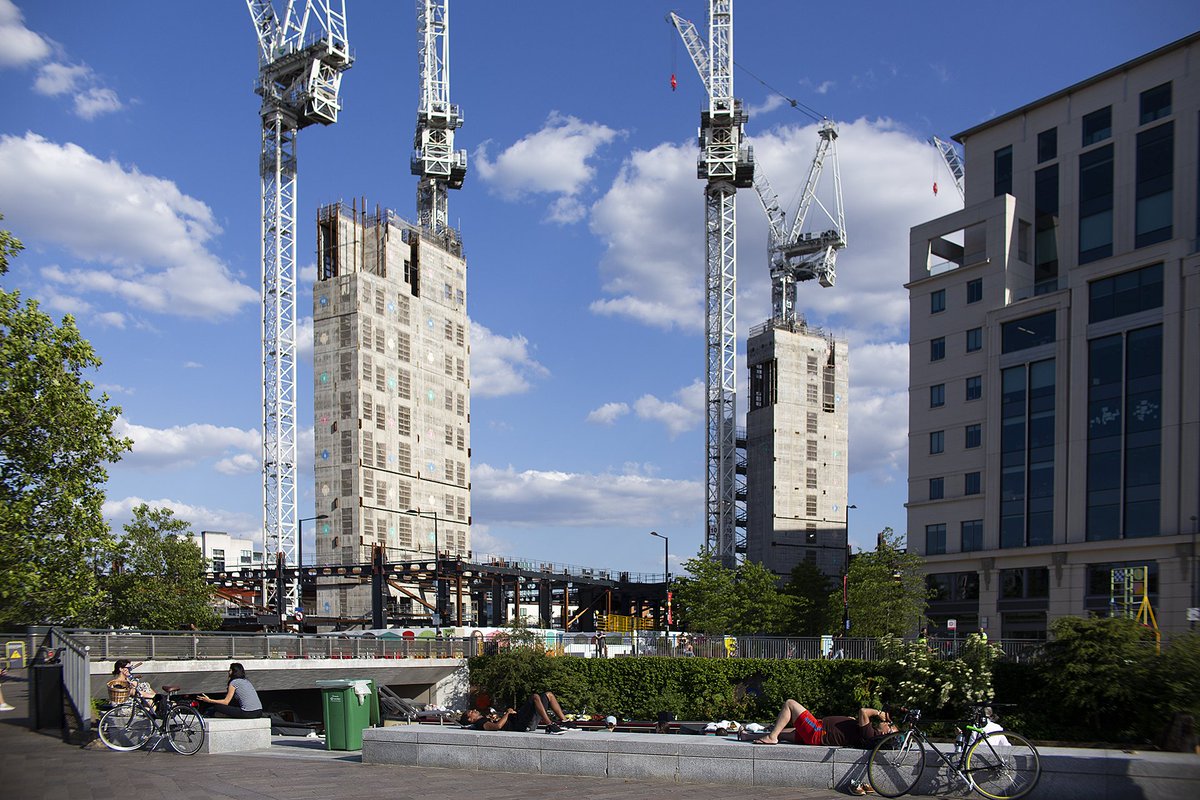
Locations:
(666, 582)
(846, 578)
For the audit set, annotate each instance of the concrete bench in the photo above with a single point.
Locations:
(1067, 773)
(226, 735)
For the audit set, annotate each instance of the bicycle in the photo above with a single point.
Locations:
(1000, 765)
(130, 725)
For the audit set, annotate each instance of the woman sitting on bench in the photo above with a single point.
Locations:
(240, 701)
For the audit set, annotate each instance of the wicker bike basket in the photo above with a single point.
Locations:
(118, 691)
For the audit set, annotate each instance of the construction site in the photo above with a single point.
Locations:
(392, 368)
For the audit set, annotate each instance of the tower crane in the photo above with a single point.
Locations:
(953, 163)
(435, 161)
(301, 57)
(796, 255)
(726, 164)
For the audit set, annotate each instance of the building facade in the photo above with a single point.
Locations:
(797, 439)
(391, 371)
(1054, 392)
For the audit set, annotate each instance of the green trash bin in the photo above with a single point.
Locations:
(347, 711)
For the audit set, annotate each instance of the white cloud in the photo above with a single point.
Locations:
(237, 524)
(304, 337)
(608, 413)
(54, 78)
(553, 160)
(193, 365)
(151, 237)
(18, 45)
(185, 445)
(111, 319)
(95, 101)
(536, 498)
(115, 388)
(501, 365)
(240, 464)
(677, 416)
(653, 268)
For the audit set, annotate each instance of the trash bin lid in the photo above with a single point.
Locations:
(337, 683)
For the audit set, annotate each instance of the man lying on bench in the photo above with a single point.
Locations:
(526, 718)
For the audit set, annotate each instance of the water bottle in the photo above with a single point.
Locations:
(958, 742)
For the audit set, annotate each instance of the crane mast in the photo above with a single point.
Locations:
(726, 164)
(300, 72)
(434, 159)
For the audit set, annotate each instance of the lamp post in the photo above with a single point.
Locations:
(666, 580)
(846, 577)
(437, 565)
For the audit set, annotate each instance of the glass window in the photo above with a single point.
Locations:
(972, 483)
(1105, 418)
(937, 348)
(1155, 185)
(974, 290)
(1002, 161)
(937, 488)
(974, 387)
(1021, 334)
(1047, 145)
(937, 395)
(972, 535)
(974, 339)
(937, 442)
(937, 301)
(935, 539)
(1097, 126)
(974, 436)
(1095, 204)
(1127, 293)
(1045, 229)
(1155, 103)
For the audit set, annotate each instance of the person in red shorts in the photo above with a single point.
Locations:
(833, 731)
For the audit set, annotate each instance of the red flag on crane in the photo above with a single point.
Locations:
(674, 82)
(935, 188)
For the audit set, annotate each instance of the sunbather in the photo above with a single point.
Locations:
(834, 731)
(526, 718)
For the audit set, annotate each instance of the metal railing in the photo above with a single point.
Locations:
(106, 645)
(75, 657)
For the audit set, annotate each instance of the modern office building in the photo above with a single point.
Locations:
(797, 439)
(391, 370)
(1054, 398)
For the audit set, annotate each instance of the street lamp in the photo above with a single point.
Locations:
(437, 565)
(666, 580)
(300, 537)
(846, 577)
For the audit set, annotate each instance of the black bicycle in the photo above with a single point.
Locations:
(1001, 765)
(132, 724)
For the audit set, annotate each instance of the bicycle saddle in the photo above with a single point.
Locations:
(168, 689)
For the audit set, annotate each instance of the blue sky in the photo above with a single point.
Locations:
(128, 166)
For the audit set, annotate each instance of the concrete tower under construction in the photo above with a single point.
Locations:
(391, 371)
(797, 439)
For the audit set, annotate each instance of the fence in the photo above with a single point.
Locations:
(75, 659)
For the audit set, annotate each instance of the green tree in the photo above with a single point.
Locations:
(885, 589)
(702, 599)
(159, 583)
(56, 441)
(715, 599)
(758, 606)
(809, 589)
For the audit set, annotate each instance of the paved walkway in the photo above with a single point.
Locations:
(39, 766)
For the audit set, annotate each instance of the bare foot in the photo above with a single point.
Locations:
(765, 740)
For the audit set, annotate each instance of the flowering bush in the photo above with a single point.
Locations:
(926, 682)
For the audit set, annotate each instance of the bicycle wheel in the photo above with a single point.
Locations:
(185, 730)
(896, 764)
(1003, 765)
(125, 727)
